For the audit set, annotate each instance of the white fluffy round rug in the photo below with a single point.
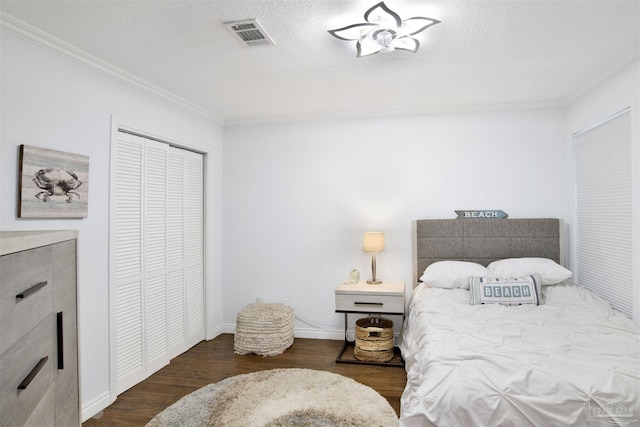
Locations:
(281, 397)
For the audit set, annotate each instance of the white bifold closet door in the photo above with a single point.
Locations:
(157, 256)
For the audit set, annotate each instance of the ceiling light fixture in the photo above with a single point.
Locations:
(384, 31)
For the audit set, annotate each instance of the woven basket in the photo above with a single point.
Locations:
(374, 340)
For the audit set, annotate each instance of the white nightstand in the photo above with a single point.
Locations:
(384, 298)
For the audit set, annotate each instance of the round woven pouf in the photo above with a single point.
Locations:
(264, 329)
(374, 339)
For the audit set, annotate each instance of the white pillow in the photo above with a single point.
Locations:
(452, 274)
(550, 272)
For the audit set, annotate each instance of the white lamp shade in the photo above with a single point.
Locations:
(373, 241)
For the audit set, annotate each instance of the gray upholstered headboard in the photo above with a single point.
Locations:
(484, 240)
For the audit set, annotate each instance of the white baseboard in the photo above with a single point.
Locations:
(99, 404)
(322, 334)
(214, 332)
(319, 334)
(227, 328)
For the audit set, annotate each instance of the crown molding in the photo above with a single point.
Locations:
(21, 29)
(435, 110)
(627, 57)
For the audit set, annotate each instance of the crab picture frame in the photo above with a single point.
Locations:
(53, 184)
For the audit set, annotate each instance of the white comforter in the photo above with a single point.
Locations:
(570, 362)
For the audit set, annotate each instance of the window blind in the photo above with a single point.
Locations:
(603, 179)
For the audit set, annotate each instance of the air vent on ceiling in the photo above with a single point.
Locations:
(250, 32)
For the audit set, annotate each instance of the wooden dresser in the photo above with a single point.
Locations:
(38, 329)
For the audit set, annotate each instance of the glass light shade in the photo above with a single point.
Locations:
(373, 241)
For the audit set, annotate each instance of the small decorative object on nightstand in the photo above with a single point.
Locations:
(354, 276)
(386, 298)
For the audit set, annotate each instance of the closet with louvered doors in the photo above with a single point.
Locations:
(156, 244)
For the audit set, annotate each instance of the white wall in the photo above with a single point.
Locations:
(617, 93)
(297, 197)
(51, 102)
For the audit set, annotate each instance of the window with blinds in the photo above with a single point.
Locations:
(604, 242)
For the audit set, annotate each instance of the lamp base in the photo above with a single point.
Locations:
(374, 282)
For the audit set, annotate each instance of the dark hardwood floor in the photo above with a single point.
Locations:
(212, 361)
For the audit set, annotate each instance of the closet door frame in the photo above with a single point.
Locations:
(118, 124)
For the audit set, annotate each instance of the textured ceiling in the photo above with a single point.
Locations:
(484, 54)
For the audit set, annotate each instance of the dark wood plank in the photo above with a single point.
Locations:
(212, 361)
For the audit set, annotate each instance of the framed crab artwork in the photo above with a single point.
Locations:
(53, 184)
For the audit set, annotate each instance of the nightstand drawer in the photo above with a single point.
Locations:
(370, 303)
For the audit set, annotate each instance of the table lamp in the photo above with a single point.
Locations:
(373, 241)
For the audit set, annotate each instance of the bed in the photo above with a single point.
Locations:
(567, 359)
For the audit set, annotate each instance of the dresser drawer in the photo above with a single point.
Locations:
(68, 411)
(370, 303)
(26, 373)
(43, 415)
(26, 294)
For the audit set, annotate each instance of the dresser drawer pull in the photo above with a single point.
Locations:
(25, 383)
(60, 340)
(369, 303)
(35, 288)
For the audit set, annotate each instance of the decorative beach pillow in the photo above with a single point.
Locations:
(452, 274)
(550, 272)
(515, 291)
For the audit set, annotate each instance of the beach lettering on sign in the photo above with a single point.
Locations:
(492, 214)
